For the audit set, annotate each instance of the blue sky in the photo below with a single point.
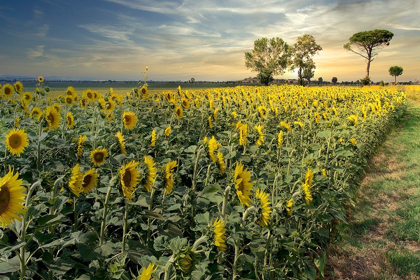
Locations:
(206, 39)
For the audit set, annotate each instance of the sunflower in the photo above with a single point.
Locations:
(353, 141)
(146, 274)
(98, 156)
(121, 140)
(185, 103)
(69, 100)
(89, 95)
(70, 120)
(265, 207)
(306, 186)
(57, 107)
(108, 106)
(153, 139)
(221, 162)
(130, 176)
(317, 117)
(168, 131)
(197, 103)
(53, 117)
(179, 112)
(89, 180)
(151, 175)
(27, 96)
(36, 112)
(260, 139)
(76, 180)
(243, 132)
(17, 124)
(169, 176)
(8, 90)
(70, 91)
(289, 206)
(130, 120)
(16, 141)
(18, 87)
(12, 198)
(243, 184)
(40, 79)
(215, 114)
(280, 138)
(219, 234)
(286, 126)
(144, 90)
(354, 119)
(83, 103)
(82, 139)
(213, 147)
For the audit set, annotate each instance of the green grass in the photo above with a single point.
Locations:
(382, 238)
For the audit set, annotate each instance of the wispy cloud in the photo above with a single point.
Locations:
(37, 52)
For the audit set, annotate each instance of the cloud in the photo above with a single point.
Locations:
(37, 52)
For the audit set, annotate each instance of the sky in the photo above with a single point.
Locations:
(201, 39)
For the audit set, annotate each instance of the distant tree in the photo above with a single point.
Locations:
(365, 81)
(395, 71)
(367, 42)
(302, 51)
(308, 72)
(269, 58)
(320, 80)
(334, 80)
(192, 80)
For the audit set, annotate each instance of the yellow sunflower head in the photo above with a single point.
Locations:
(169, 176)
(185, 103)
(243, 184)
(8, 90)
(36, 113)
(18, 87)
(121, 140)
(265, 207)
(57, 107)
(147, 272)
(82, 139)
(89, 95)
(179, 112)
(130, 176)
(75, 183)
(144, 90)
(98, 156)
(83, 103)
(53, 117)
(219, 234)
(89, 180)
(70, 91)
(152, 173)
(40, 79)
(16, 141)
(70, 120)
(130, 120)
(12, 199)
(69, 99)
(168, 131)
(27, 96)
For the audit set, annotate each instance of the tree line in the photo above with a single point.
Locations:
(272, 57)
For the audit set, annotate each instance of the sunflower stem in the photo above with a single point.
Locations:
(235, 261)
(225, 198)
(125, 226)
(148, 219)
(76, 222)
(101, 235)
(194, 181)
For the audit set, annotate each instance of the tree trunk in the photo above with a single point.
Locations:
(395, 80)
(368, 67)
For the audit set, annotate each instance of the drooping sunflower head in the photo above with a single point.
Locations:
(16, 141)
(89, 180)
(169, 176)
(70, 120)
(98, 156)
(151, 174)
(168, 131)
(130, 176)
(81, 142)
(219, 234)
(153, 138)
(130, 120)
(76, 179)
(265, 208)
(18, 87)
(12, 199)
(121, 140)
(53, 117)
(243, 184)
(8, 90)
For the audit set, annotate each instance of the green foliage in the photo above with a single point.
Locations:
(366, 81)
(395, 71)
(366, 43)
(269, 58)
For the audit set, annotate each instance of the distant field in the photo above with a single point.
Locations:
(122, 87)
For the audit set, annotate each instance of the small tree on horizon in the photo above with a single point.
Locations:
(395, 71)
(334, 80)
(269, 58)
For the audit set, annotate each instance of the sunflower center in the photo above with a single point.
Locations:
(127, 178)
(4, 199)
(127, 120)
(15, 141)
(143, 90)
(27, 97)
(108, 105)
(89, 95)
(50, 118)
(86, 181)
(69, 100)
(7, 91)
(99, 157)
(69, 121)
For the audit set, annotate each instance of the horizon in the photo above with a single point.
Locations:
(180, 40)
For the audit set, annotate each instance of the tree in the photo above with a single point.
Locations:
(320, 80)
(309, 72)
(395, 71)
(367, 42)
(192, 80)
(334, 80)
(269, 58)
(303, 50)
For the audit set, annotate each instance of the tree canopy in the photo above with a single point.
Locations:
(367, 42)
(269, 58)
(303, 50)
(395, 71)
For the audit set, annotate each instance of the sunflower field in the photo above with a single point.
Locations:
(232, 183)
